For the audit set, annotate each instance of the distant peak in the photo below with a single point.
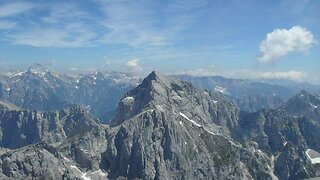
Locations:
(38, 68)
(303, 92)
(154, 76)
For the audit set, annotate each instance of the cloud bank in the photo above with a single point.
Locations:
(281, 42)
(291, 75)
(14, 8)
(133, 65)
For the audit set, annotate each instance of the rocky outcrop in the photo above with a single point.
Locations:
(23, 127)
(285, 133)
(168, 94)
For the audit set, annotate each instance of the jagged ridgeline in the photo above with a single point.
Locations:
(163, 129)
(40, 88)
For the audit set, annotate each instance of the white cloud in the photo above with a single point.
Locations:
(281, 42)
(6, 25)
(15, 8)
(66, 25)
(53, 38)
(198, 72)
(136, 23)
(291, 75)
(247, 74)
(133, 65)
(73, 69)
(252, 74)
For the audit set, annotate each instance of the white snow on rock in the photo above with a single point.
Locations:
(314, 106)
(315, 160)
(66, 159)
(221, 89)
(160, 107)
(83, 175)
(13, 74)
(128, 99)
(208, 131)
(192, 121)
(99, 173)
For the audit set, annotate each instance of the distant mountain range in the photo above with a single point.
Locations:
(252, 95)
(162, 128)
(38, 88)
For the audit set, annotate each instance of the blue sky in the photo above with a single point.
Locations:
(233, 38)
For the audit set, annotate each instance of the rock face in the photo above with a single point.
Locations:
(307, 106)
(23, 127)
(163, 129)
(285, 133)
(166, 130)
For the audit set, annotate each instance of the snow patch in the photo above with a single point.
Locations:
(66, 159)
(99, 173)
(315, 160)
(208, 131)
(128, 99)
(314, 106)
(215, 101)
(160, 107)
(83, 175)
(221, 89)
(273, 176)
(13, 74)
(192, 121)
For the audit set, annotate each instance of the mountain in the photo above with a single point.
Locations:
(159, 137)
(249, 95)
(163, 129)
(23, 127)
(288, 133)
(306, 106)
(39, 88)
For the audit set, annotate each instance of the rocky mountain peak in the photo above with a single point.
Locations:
(154, 76)
(155, 90)
(166, 94)
(303, 103)
(156, 81)
(38, 69)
